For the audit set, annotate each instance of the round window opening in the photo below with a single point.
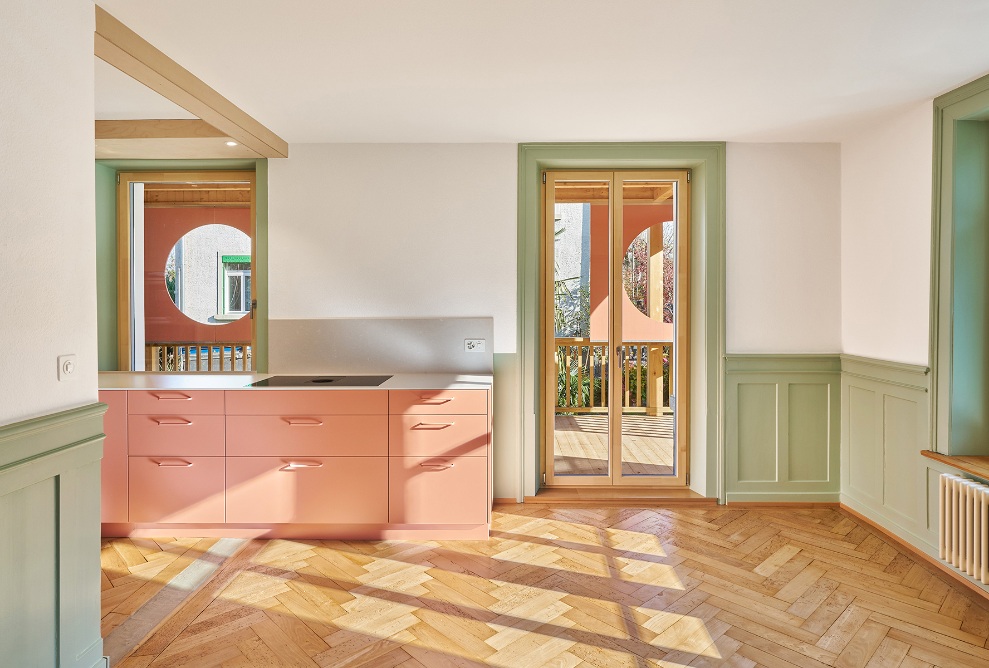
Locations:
(208, 274)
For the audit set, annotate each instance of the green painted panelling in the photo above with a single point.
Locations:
(913, 376)
(863, 451)
(782, 426)
(809, 436)
(29, 584)
(900, 430)
(49, 554)
(106, 266)
(106, 246)
(757, 432)
(778, 364)
(706, 160)
(970, 297)
(261, 282)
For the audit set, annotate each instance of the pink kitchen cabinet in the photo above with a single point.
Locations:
(177, 489)
(176, 434)
(189, 402)
(401, 402)
(113, 467)
(307, 435)
(437, 490)
(303, 402)
(318, 490)
(438, 435)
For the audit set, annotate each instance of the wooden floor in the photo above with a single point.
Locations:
(581, 445)
(598, 587)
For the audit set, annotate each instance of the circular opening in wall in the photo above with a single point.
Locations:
(208, 274)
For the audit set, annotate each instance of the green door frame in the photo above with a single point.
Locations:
(706, 160)
(107, 248)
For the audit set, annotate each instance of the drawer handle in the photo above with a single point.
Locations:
(180, 463)
(437, 467)
(178, 422)
(304, 422)
(172, 396)
(435, 401)
(433, 425)
(293, 466)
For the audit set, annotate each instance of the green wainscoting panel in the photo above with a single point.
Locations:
(885, 413)
(706, 160)
(782, 427)
(50, 546)
(809, 410)
(863, 453)
(758, 420)
(106, 266)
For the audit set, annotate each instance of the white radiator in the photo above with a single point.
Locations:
(964, 525)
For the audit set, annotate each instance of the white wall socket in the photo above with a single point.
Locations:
(66, 367)
(474, 345)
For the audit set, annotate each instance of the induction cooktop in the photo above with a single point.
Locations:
(321, 381)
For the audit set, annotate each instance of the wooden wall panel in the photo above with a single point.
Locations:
(781, 428)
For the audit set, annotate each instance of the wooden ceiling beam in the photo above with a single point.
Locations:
(164, 128)
(130, 53)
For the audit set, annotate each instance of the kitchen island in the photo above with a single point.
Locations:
(213, 455)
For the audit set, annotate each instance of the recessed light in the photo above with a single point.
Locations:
(231, 143)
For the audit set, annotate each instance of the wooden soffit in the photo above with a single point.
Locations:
(220, 119)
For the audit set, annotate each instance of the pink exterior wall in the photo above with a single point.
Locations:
(635, 325)
(163, 322)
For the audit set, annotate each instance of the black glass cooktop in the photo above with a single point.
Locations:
(321, 381)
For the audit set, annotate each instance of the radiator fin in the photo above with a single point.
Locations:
(963, 533)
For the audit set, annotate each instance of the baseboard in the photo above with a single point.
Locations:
(942, 567)
(736, 498)
(505, 501)
(783, 504)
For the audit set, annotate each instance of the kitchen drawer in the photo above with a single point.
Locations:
(438, 435)
(401, 402)
(168, 435)
(176, 489)
(308, 490)
(113, 466)
(171, 402)
(438, 490)
(302, 402)
(313, 435)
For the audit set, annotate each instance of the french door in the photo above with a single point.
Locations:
(615, 321)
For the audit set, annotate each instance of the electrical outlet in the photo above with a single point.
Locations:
(474, 345)
(66, 367)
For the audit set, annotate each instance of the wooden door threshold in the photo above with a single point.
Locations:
(650, 497)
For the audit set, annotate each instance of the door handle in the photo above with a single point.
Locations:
(295, 465)
(181, 463)
(436, 467)
(178, 422)
(304, 422)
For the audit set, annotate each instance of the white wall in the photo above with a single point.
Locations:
(418, 230)
(404, 230)
(886, 237)
(47, 238)
(783, 248)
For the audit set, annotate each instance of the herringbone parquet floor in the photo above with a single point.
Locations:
(588, 587)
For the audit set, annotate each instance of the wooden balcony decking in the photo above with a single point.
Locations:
(581, 445)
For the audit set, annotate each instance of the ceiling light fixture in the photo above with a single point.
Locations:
(231, 143)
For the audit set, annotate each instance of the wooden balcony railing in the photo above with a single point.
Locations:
(181, 357)
(582, 376)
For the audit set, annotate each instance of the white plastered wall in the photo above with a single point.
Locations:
(403, 230)
(783, 248)
(47, 239)
(886, 237)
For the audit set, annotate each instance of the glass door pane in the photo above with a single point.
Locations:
(578, 218)
(645, 239)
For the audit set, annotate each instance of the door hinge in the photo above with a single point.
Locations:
(254, 307)
(118, 179)
(544, 177)
(544, 478)
(688, 176)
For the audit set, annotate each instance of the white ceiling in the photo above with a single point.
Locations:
(119, 97)
(562, 70)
